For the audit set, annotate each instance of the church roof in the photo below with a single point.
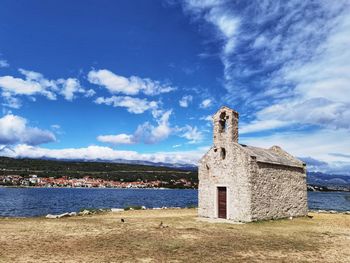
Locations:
(274, 155)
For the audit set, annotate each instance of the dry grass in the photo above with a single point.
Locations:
(104, 238)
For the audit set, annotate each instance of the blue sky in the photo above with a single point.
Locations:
(138, 80)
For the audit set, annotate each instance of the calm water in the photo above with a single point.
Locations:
(25, 202)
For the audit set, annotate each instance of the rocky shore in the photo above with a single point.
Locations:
(86, 212)
(330, 212)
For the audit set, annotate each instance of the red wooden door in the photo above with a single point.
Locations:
(222, 209)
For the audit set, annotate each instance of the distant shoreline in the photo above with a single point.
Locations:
(320, 188)
(135, 188)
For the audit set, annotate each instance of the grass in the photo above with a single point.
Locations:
(180, 238)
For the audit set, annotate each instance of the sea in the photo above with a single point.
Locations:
(33, 202)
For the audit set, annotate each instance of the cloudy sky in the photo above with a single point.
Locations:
(139, 80)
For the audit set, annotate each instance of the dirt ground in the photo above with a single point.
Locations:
(182, 238)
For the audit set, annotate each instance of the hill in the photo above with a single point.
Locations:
(328, 182)
(103, 170)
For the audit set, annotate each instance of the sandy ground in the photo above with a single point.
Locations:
(183, 238)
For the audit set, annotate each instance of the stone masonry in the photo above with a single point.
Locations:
(260, 184)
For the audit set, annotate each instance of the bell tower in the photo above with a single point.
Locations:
(225, 126)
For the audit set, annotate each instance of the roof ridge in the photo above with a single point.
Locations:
(273, 155)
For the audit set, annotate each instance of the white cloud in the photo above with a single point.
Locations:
(206, 118)
(191, 133)
(133, 105)
(257, 126)
(295, 71)
(205, 103)
(14, 129)
(320, 84)
(146, 132)
(227, 25)
(35, 83)
(185, 101)
(57, 129)
(89, 93)
(70, 87)
(117, 139)
(216, 13)
(4, 63)
(130, 86)
(220, 15)
(151, 134)
(91, 153)
(10, 101)
(19, 86)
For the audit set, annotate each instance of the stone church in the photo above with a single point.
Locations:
(244, 183)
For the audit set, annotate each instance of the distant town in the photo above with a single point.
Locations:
(74, 174)
(54, 173)
(89, 182)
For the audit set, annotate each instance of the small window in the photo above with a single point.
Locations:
(223, 153)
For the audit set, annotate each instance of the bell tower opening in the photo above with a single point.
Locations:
(222, 122)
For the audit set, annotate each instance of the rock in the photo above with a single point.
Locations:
(63, 215)
(51, 216)
(161, 225)
(117, 210)
(84, 212)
